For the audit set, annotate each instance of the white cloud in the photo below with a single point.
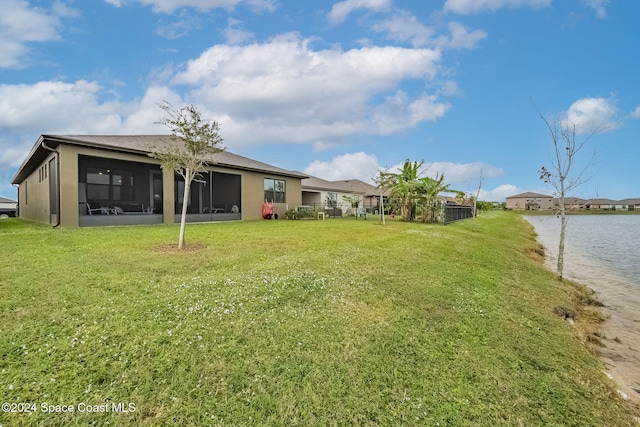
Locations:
(598, 6)
(142, 116)
(169, 6)
(405, 27)
(27, 111)
(500, 193)
(360, 166)
(636, 113)
(12, 156)
(235, 34)
(468, 7)
(462, 173)
(21, 24)
(449, 88)
(291, 92)
(282, 90)
(464, 177)
(55, 107)
(461, 37)
(62, 10)
(340, 11)
(592, 115)
(180, 28)
(398, 112)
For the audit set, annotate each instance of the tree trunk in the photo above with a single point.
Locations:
(185, 198)
(563, 225)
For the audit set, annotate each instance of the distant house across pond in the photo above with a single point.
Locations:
(90, 180)
(535, 201)
(530, 202)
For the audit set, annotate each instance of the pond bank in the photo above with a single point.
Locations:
(599, 254)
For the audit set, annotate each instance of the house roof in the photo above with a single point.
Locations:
(601, 202)
(572, 201)
(136, 144)
(354, 186)
(628, 202)
(5, 200)
(528, 195)
(360, 187)
(316, 183)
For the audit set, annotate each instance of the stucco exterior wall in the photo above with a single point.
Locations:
(69, 200)
(253, 194)
(516, 203)
(521, 203)
(33, 194)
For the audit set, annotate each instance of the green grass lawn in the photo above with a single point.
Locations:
(271, 323)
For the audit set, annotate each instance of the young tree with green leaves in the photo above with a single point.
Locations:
(197, 140)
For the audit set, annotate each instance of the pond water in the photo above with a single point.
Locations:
(603, 252)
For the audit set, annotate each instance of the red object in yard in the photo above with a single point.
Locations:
(269, 211)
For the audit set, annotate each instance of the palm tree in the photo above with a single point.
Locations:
(411, 192)
(404, 187)
(430, 188)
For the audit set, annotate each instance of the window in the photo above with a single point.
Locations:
(332, 200)
(105, 184)
(274, 190)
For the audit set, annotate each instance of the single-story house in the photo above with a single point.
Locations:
(334, 195)
(530, 201)
(600, 204)
(572, 203)
(8, 206)
(628, 204)
(87, 180)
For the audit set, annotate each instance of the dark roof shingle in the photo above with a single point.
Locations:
(139, 144)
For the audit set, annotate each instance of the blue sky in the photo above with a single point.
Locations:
(337, 89)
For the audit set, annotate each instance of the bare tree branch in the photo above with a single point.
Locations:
(561, 175)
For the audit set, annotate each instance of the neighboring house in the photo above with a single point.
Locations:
(628, 204)
(600, 204)
(572, 203)
(370, 193)
(8, 207)
(530, 201)
(534, 201)
(320, 193)
(86, 180)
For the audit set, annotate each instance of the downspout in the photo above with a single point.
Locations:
(57, 156)
(18, 193)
